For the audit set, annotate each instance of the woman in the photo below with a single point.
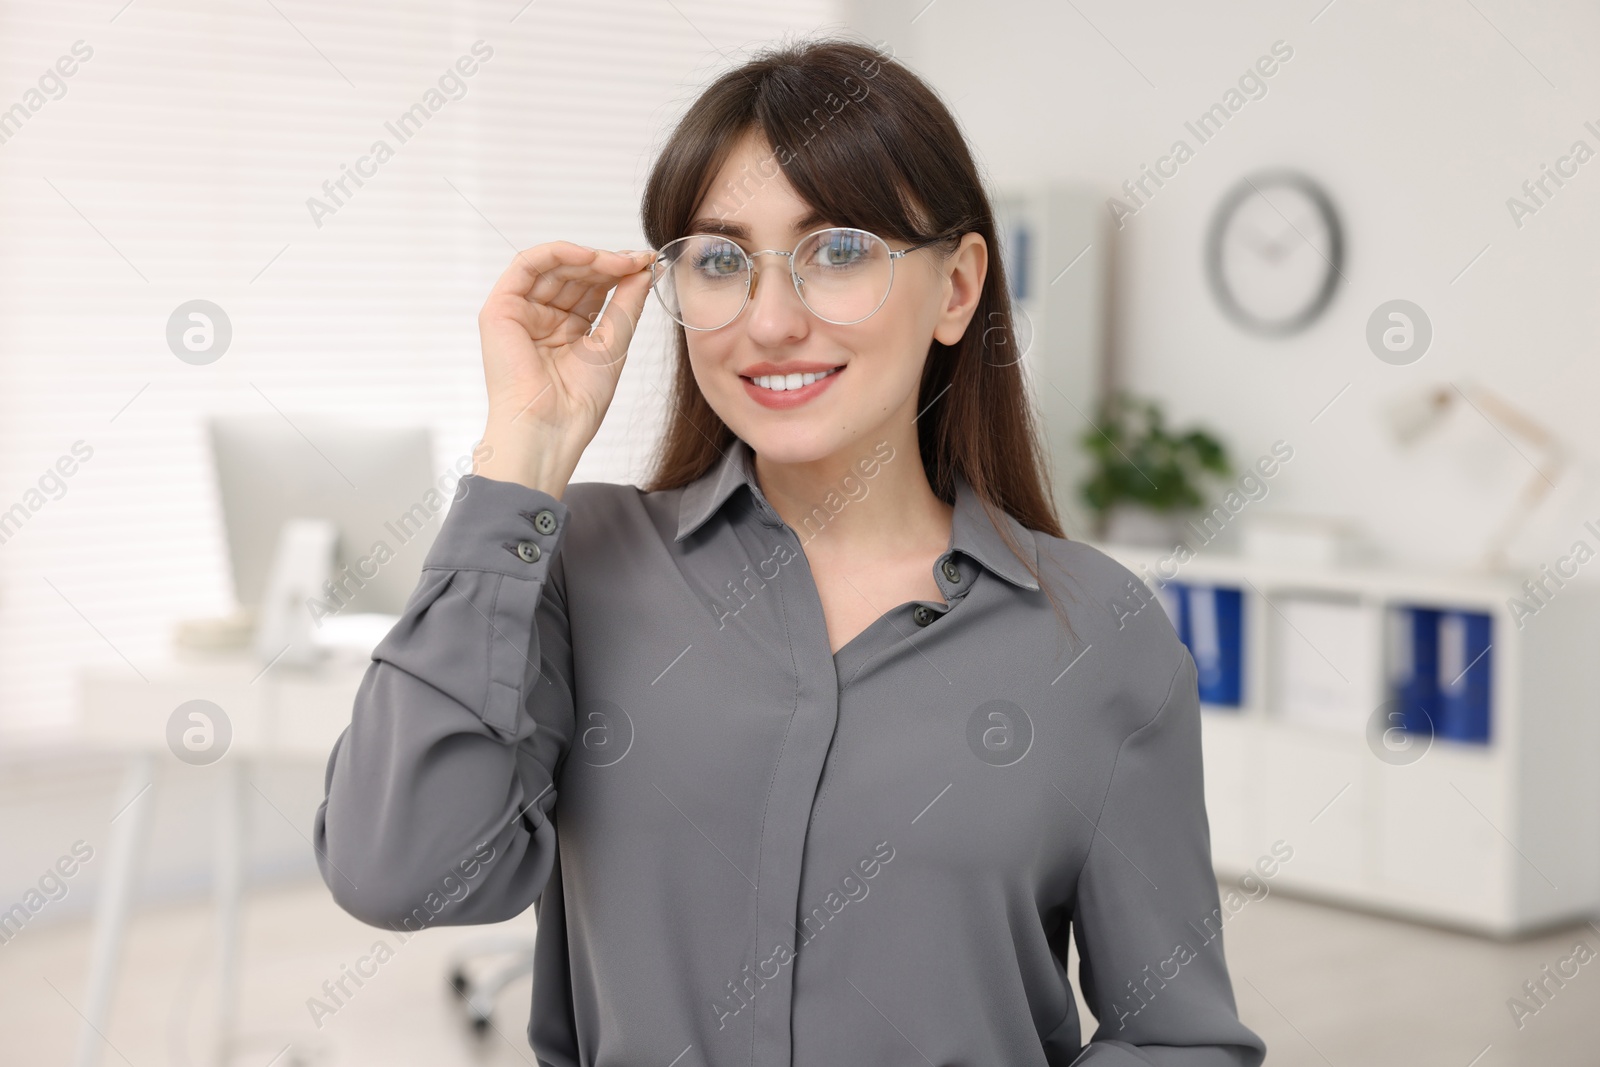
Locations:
(836, 770)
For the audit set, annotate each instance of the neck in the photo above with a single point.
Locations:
(870, 498)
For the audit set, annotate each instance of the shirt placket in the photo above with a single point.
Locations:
(784, 822)
(799, 769)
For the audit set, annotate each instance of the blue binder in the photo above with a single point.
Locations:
(1464, 675)
(1414, 667)
(1175, 604)
(1212, 628)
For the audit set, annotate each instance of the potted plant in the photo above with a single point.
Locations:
(1145, 481)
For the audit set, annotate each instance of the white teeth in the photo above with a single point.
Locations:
(779, 383)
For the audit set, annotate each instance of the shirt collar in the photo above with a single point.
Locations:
(972, 533)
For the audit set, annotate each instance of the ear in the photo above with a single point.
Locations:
(964, 273)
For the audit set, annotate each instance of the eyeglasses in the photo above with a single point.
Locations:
(842, 274)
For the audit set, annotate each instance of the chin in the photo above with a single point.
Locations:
(789, 444)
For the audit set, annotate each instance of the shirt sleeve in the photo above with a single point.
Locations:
(1147, 918)
(439, 793)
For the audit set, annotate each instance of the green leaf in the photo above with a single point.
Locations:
(1137, 460)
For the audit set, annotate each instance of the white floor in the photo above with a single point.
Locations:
(1324, 987)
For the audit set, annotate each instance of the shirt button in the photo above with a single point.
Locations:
(922, 614)
(951, 571)
(527, 551)
(545, 522)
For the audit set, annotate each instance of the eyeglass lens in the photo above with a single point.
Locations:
(842, 275)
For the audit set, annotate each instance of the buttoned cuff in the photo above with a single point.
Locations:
(504, 527)
(511, 532)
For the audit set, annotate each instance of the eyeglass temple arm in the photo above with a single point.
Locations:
(925, 244)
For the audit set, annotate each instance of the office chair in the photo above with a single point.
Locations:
(479, 994)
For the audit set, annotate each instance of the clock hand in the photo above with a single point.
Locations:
(1285, 247)
(1266, 248)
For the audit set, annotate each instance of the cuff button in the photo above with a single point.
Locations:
(527, 551)
(545, 521)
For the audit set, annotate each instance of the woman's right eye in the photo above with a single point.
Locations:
(719, 261)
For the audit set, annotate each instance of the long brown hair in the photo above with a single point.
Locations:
(868, 144)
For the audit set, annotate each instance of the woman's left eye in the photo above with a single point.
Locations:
(838, 253)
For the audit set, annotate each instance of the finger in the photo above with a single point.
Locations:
(614, 332)
(537, 322)
(589, 289)
(587, 308)
(530, 264)
(542, 267)
(546, 324)
(566, 287)
(575, 292)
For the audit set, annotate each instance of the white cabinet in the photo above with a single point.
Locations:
(1307, 793)
(1436, 837)
(1225, 788)
(1500, 837)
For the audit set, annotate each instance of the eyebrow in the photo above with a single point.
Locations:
(738, 230)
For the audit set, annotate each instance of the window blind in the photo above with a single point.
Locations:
(157, 153)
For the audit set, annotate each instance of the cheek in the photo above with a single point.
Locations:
(891, 362)
(912, 311)
(711, 356)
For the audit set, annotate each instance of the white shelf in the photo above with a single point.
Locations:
(1500, 838)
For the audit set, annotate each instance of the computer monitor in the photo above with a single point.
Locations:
(375, 483)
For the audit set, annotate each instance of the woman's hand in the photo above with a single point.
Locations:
(550, 377)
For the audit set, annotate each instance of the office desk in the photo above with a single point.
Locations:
(277, 712)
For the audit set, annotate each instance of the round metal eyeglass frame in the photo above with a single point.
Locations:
(794, 277)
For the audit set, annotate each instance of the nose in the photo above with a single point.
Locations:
(776, 311)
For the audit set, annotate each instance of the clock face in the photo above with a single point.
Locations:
(1273, 256)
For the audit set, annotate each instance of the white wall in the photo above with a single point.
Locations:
(177, 162)
(1421, 119)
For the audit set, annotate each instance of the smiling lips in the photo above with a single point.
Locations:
(788, 390)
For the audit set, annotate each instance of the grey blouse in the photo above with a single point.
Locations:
(621, 708)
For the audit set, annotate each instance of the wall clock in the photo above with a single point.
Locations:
(1275, 252)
